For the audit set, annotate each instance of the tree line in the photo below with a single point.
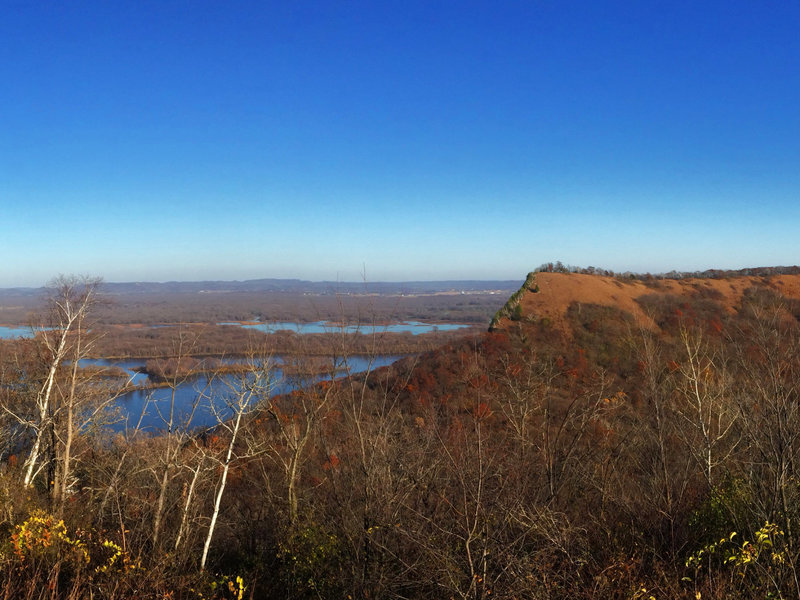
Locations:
(559, 267)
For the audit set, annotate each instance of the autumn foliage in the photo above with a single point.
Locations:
(592, 450)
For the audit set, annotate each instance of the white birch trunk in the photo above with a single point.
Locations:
(218, 499)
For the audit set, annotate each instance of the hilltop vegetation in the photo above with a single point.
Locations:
(611, 437)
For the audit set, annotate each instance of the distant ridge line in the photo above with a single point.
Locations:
(289, 286)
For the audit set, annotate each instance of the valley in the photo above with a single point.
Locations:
(605, 435)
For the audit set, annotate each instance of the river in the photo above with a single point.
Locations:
(200, 399)
(413, 327)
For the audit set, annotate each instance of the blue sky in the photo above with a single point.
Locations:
(395, 140)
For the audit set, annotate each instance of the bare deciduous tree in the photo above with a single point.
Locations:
(69, 302)
(243, 395)
(705, 404)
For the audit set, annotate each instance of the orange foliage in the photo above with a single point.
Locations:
(482, 411)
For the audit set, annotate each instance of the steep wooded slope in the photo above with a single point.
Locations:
(641, 422)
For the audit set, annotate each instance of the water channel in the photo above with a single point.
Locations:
(202, 399)
(8, 332)
(413, 327)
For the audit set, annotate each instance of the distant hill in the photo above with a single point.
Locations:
(471, 301)
(288, 285)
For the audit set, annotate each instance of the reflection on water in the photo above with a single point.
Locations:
(201, 398)
(127, 365)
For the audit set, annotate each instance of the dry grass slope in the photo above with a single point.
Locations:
(557, 291)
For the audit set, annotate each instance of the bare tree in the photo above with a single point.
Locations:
(70, 300)
(769, 398)
(660, 468)
(705, 404)
(243, 394)
(296, 418)
(176, 427)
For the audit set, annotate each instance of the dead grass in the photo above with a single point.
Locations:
(558, 290)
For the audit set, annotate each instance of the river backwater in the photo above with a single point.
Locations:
(202, 400)
(413, 327)
(8, 332)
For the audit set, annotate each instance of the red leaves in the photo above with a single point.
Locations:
(482, 411)
(332, 462)
(715, 325)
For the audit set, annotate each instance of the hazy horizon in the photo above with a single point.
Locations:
(396, 141)
(256, 279)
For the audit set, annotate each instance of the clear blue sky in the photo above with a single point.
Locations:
(400, 140)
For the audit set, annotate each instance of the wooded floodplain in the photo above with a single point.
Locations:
(610, 437)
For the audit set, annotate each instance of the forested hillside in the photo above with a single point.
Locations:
(610, 437)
